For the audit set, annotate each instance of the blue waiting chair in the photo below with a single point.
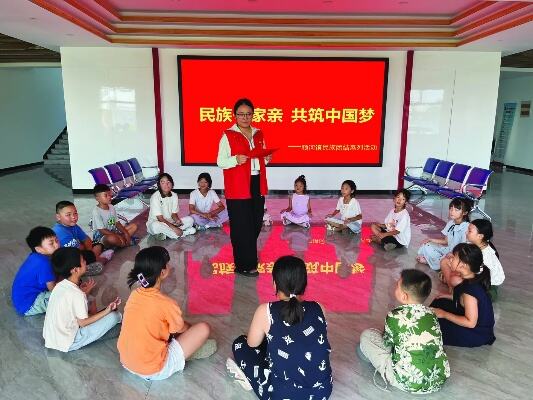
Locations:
(118, 179)
(100, 177)
(129, 175)
(455, 179)
(138, 171)
(440, 178)
(427, 171)
(473, 188)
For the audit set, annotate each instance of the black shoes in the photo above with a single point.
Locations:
(250, 274)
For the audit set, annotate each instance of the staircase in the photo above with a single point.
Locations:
(57, 160)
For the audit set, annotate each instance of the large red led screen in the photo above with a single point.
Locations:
(325, 111)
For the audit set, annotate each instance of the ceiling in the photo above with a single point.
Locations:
(477, 25)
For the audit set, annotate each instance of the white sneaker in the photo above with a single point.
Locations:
(238, 374)
(188, 231)
(108, 254)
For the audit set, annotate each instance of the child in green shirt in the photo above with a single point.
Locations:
(409, 353)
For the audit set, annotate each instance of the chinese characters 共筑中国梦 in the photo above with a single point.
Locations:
(275, 115)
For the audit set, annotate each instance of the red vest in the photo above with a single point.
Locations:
(237, 179)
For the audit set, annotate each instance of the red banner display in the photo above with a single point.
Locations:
(320, 111)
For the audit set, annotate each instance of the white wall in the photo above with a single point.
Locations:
(109, 100)
(514, 89)
(453, 107)
(318, 178)
(32, 113)
(454, 121)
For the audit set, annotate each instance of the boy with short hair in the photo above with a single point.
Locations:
(68, 325)
(71, 235)
(409, 355)
(108, 231)
(35, 278)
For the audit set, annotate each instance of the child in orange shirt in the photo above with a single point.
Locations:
(155, 341)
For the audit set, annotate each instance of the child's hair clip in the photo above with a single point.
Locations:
(142, 280)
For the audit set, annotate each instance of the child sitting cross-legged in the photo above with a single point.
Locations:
(201, 204)
(35, 278)
(68, 325)
(108, 231)
(409, 354)
(70, 234)
(466, 316)
(155, 340)
(286, 352)
(396, 231)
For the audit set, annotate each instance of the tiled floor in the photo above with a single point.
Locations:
(353, 281)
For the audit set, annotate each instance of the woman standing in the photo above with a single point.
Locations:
(245, 186)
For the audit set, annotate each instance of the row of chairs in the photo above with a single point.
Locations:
(451, 180)
(125, 179)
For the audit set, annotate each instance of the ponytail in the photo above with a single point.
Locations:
(471, 255)
(292, 311)
(482, 277)
(484, 227)
(495, 249)
(290, 276)
(149, 262)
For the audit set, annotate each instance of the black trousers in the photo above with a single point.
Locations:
(245, 221)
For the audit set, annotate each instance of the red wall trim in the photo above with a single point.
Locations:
(157, 103)
(405, 115)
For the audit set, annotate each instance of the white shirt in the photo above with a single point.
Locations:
(400, 222)
(67, 304)
(497, 276)
(225, 160)
(165, 206)
(203, 203)
(349, 210)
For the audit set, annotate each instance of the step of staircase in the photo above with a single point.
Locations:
(61, 151)
(54, 156)
(56, 162)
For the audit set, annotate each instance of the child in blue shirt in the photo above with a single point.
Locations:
(35, 278)
(71, 235)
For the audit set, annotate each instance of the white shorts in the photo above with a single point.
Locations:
(175, 362)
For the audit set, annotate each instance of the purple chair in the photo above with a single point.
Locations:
(100, 177)
(427, 171)
(473, 189)
(440, 178)
(129, 175)
(118, 179)
(455, 179)
(138, 171)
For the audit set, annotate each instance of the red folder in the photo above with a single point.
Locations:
(257, 153)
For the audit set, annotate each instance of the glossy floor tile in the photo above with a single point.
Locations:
(352, 279)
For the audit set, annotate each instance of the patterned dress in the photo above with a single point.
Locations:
(412, 332)
(293, 361)
(298, 214)
(433, 253)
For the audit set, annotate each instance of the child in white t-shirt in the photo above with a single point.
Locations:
(480, 233)
(396, 231)
(201, 203)
(163, 220)
(350, 211)
(68, 325)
